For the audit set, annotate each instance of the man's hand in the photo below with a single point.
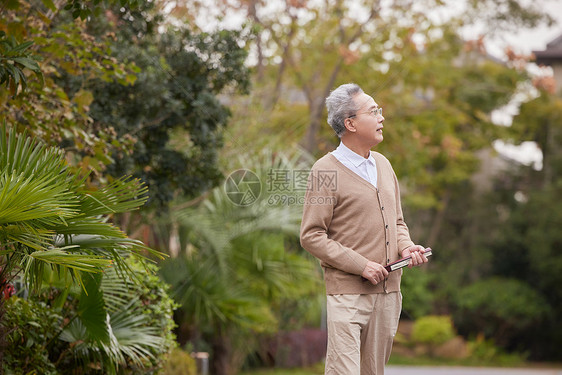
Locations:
(416, 251)
(374, 272)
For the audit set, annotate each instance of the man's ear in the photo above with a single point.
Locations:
(349, 125)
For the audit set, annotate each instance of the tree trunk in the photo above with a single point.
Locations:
(316, 105)
(438, 220)
(173, 241)
(310, 141)
(252, 14)
(220, 363)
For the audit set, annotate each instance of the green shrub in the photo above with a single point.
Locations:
(51, 332)
(157, 306)
(418, 299)
(432, 331)
(499, 308)
(31, 326)
(179, 363)
(486, 351)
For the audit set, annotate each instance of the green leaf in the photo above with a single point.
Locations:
(131, 78)
(84, 13)
(11, 4)
(21, 47)
(79, 262)
(92, 311)
(49, 4)
(83, 98)
(28, 63)
(122, 195)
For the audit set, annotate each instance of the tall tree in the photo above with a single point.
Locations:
(87, 104)
(172, 111)
(309, 44)
(49, 110)
(438, 92)
(433, 84)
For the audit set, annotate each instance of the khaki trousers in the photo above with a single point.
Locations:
(361, 328)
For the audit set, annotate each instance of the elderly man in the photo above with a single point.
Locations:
(353, 223)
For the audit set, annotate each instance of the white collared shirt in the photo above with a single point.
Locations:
(365, 168)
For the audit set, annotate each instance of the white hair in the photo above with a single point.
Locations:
(340, 106)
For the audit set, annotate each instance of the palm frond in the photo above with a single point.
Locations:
(111, 329)
(61, 259)
(78, 262)
(42, 202)
(210, 234)
(210, 300)
(116, 290)
(237, 263)
(134, 337)
(218, 222)
(28, 157)
(92, 310)
(89, 352)
(28, 235)
(122, 195)
(197, 287)
(34, 198)
(90, 226)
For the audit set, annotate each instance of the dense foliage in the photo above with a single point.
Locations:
(118, 327)
(235, 274)
(51, 221)
(172, 111)
(32, 325)
(127, 93)
(47, 109)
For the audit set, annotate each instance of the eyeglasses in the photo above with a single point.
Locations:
(373, 112)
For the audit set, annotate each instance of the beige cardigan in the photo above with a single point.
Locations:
(347, 222)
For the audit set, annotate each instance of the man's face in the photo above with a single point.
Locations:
(368, 123)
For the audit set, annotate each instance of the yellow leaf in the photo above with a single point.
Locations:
(131, 78)
(83, 98)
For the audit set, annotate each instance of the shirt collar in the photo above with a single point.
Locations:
(352, 156)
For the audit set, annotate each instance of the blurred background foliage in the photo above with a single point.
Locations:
(165, 92)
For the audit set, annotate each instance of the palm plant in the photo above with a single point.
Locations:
(112, 330)
(49, 217)
(233, 269)
(114, 325)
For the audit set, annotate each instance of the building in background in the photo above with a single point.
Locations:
(552, 56)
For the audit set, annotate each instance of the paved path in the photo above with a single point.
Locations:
(422, 370)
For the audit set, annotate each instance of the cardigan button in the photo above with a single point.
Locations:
(386, 226)
(388, 243)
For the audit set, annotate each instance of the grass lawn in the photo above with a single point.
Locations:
(399, 360)
(315, 370)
